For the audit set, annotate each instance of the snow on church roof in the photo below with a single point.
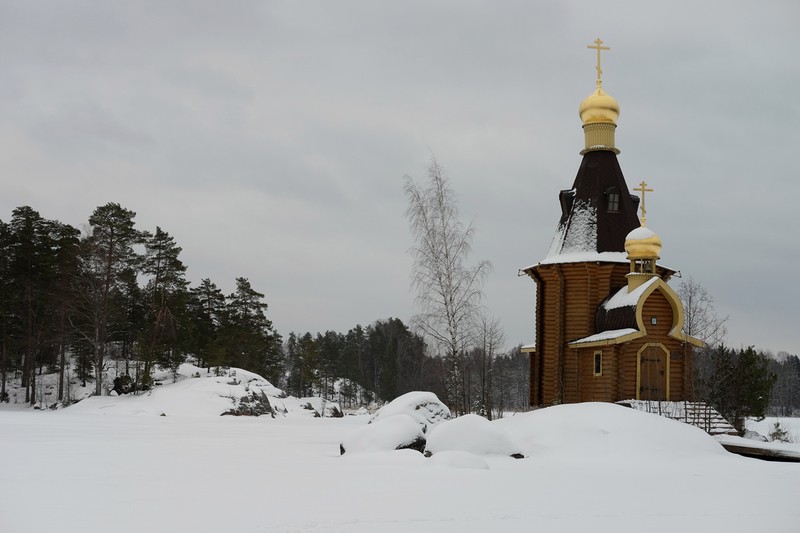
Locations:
(584, 257)
(606, 335)
(578, 233)
(575, 240)
(623, 298)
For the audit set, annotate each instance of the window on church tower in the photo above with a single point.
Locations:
(598, 363)
(612, 200)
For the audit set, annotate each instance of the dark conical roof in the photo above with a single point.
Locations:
(598, 212)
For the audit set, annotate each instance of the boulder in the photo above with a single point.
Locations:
(397, 432)
(424, 407)
(473, 434)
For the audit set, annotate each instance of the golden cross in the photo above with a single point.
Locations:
(598, 46)
(643, 189)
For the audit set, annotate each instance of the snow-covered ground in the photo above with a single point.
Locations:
(767, 426)
(115, 464)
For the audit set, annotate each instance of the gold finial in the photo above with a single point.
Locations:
(643, 189)
(598, 46)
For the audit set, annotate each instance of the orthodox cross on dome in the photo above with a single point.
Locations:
(643, 189)
(598, 46)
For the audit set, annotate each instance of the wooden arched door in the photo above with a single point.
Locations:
(652, 376)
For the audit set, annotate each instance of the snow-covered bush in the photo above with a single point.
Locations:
(458, 459)
(473, 434)
(397, 432)
(424, 407)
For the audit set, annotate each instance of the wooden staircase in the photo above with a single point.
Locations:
(698, 414)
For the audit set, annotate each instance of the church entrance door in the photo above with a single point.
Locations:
(653, 374)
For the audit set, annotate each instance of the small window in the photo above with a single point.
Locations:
(654, 321)
(598, 363)
(612, 200)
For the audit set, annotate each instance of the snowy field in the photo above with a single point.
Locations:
(114, 464)
(790, 425)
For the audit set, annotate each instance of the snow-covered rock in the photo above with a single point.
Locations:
(592, 431)
(424, 407)
(319, 407)
(755, 435)
(458, 459)
(473, 434)
(397, 432)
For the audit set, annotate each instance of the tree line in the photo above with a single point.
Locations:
(387, 359)
(739, 383)
(114, 292)
(119, 292)
(785, 397)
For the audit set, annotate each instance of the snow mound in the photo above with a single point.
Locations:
(397, 432)
(473, 434)
(593, 430)
(393, 459)
(424, 407)
(314, 406)
(458, 459)
(195, 393)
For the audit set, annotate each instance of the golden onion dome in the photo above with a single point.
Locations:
(599, 107)
(642, 243)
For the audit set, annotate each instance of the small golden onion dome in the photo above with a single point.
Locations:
(642, 243)
(599, 107)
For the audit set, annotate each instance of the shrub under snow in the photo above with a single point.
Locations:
(424, 407)
(473, 434)
(397, 432)
(458, 459)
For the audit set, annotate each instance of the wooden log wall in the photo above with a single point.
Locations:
(568, 296)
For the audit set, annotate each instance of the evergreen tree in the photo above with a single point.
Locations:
(206, 310)
(107, 259)
(33, 273)
(785, 397)
(250, 341)
(66, 239)
(6, 286)
(309, 370)
(353, 354)
(167, 295)
(293, 365)
(330, 347)
(738, 384)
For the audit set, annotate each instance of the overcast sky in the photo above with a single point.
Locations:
(271, 139)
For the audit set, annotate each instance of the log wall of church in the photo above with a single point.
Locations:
(569, 294)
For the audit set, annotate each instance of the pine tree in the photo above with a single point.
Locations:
(309, 364)
(738, 384)
(250, 341)
(6, 287)
(167, 295)
(107, 259)
(293, 365)
(206, 310)
(66, 240)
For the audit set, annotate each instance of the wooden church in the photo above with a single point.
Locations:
(608, 326)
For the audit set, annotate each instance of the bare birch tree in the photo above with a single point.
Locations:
(490, 340)
(700, 316)
(448, 291)
(702, 322)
